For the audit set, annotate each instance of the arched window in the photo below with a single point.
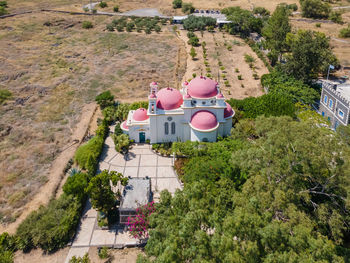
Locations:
(205, 140)
(166, 128)
(173, 128)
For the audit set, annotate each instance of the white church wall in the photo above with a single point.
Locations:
(158, 132)
(203, 136)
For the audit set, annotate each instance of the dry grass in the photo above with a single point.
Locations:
(53, 72)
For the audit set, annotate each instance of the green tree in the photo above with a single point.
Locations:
(177, 4)
(261, 11)
(84, 259)
(122, 111)
(87, 24)
(193, 53)
(315, 8)
(121, 142)
(187, 8)
(193, 41)
(76, 185)
(296, 90)
(310, 55)
(105, 99)
(275, 32)
(102, 197)
(345, 32)
(243, 22)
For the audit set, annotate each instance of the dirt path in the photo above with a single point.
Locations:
(49, 189)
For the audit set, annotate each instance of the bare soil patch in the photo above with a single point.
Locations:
(217, 45)
(38, 255)
(53, 71)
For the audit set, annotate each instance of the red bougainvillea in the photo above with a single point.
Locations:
(138, 225)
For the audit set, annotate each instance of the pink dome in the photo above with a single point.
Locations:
(140, 115)
(204, 120)
(152, 96)
(202, 87)
(228, 112)
(185, 83)
(169, 99)
(154, 83)
(220, 96)
(124, 126)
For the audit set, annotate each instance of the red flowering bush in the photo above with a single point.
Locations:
(138, 225)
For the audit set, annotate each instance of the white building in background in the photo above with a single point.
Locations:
(198, 113)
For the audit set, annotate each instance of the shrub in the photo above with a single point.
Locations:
(121, 142)
(236, 70)
(248, 58)
(157, 28)
(130, 26)
(193, 41)
(220, 63)
(103, 253)
(255, 75)
(86, 9)
(345, 32)
(51, 226)
(193, 23)
(116, 9)
(4, 95)
(315, 9)
(3, 4)
(261, 11)
(84, 259)
(193, 53)
(138, 225)
(117, 129)
(229, 47)
(208, 75)
(87, 24)
(318, 25)
(94, 11)
(103, 4)
(336, 17)
(7, 248)
(222, 68)
(293, 7)
(105, 99)
(177, 4)
(110, 27)
(194, 75)
(120, 28)
(3, 11)
(239, 77)
(76, 186)
(87, 154)
(187, 8)
(148, 30)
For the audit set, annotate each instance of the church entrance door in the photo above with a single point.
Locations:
(142, 137)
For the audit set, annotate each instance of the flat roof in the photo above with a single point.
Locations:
(136, 193)
(344, 90)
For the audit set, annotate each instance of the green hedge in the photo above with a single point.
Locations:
(52, 226)
(87, 155)
(271, 104)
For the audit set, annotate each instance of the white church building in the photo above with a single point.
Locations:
(198, 113)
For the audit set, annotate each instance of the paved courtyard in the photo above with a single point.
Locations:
(140, 162)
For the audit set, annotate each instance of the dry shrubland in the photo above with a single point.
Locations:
(53, 68)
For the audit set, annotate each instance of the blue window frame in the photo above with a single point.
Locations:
(329, 118)
(173, 128)
(323, 113)
(341, 113)
(330, 103)
(166, 128)
(325, 99)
